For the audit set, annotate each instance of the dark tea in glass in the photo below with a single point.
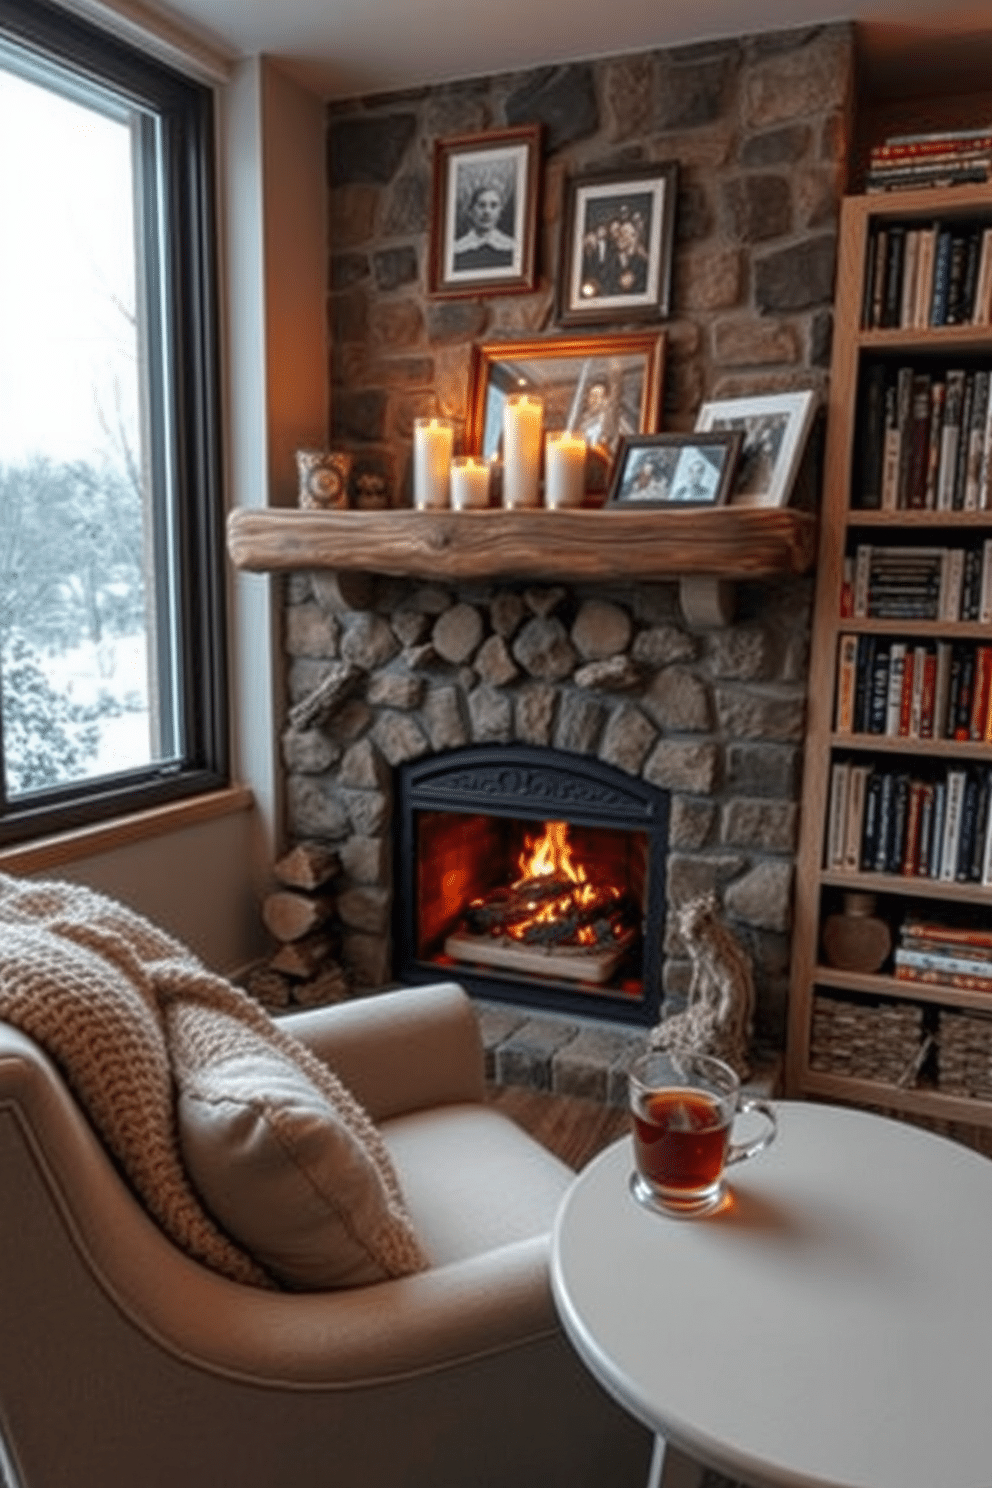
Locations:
(683, 1108)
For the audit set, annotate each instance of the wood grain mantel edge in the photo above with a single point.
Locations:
(730, 543)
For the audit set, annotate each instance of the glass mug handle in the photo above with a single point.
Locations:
(738, 1151)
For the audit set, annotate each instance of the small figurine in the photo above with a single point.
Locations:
(720, 1013)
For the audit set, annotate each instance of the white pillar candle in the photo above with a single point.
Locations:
(469, 482)
(523, 418)
(564, 470)
(432, 443)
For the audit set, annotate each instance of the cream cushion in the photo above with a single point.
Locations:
(279, 1167)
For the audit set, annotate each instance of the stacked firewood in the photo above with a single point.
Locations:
(300, 915)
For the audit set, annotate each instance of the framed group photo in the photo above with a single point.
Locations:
(484, 212)
(616, 246)
(675, 470)
(775, 428)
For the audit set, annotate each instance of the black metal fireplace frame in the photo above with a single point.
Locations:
(532, 784)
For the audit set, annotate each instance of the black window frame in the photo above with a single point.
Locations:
(188, 227)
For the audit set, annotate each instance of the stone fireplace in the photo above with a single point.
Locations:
(400, 683)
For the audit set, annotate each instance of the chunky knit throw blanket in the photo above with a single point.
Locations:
(127, 1012)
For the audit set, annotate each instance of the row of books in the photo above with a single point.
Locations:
(955, 956)
(883, 819)
(924, 439)
(945, 158)
(902, 689)
(937, 274)
(948, 583)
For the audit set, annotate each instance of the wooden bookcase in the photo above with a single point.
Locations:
(843, 526)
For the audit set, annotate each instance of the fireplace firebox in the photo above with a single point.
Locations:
(532, 876)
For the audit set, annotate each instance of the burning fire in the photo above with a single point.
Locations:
(553, 901)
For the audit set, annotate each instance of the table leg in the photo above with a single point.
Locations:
(670, 1468)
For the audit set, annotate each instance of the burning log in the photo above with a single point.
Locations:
(553, 910)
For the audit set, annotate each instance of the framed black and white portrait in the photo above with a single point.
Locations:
(484, 216)
(616, 248)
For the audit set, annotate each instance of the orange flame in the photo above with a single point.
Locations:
(550, 856)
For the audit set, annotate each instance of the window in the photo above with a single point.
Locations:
(112, 681)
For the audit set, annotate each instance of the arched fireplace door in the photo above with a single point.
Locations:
(532, 876)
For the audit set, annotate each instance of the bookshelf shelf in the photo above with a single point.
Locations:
(962, 749)
(896, 760)
(906, 887)
(901, 991)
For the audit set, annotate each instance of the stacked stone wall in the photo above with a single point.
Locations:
(759, 127)
(715, 717)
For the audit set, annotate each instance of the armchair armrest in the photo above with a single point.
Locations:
(400, 1051)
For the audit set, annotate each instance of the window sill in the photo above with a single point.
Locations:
(86, 842)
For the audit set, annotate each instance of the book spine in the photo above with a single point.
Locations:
(937, 833)
(878, 279)
(919, 441)
(867, 645)
(862, 572)
(893, 274)
(940, 977)
(976, 441)
(987, 854)
(893, 701)
(964, 434)
(950, 434)
(895, 847)
(941, 274)
(937, 395)
(952, 825)
(915, 718)
(969, 827)
(981, 694)
(928, 961)
(926, 831)
(871, 826)
(856, 788)
(910, 265)
(879, 689)
(837, 814)
(954, 935)
(871, 436)
(982, 312)
(882, 845)
(985, 589)
(963, 694)
(949, 606)
(924, 277)
(941, 689)
(927, 693)
(911, 849)
(847, 670)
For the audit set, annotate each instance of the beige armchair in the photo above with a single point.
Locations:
(125, 1364)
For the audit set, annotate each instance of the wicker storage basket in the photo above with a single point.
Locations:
(964, 1054)
(866, 1041)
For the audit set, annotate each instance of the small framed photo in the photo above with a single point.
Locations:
(775, 427)
(616, 246)
(484, 212)
(676, 470)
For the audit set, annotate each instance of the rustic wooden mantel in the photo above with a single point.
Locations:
(726, 543)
